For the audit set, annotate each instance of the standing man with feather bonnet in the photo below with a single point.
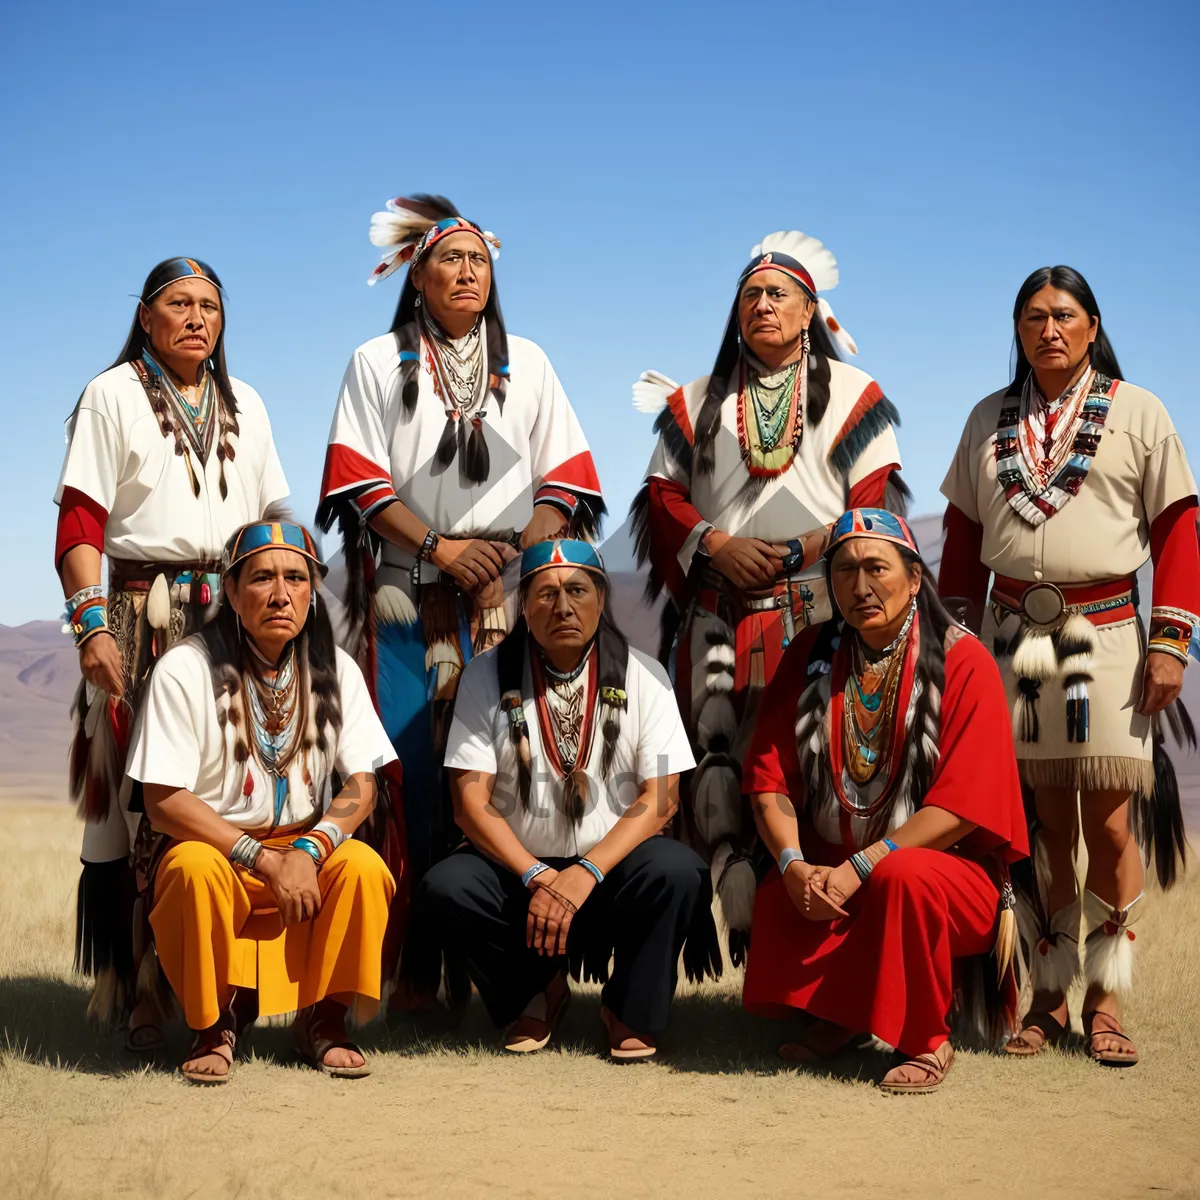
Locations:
(453, 445)
(1064, 484)
(167, 456)
(754, 463)
(884, 784)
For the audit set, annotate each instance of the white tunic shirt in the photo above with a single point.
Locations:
(179, 742)
(652, 743)
(118, 456)
(535, 439)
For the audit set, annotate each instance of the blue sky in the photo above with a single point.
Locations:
(627, 155)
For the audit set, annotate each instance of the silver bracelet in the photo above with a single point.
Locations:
(787, 857)
(331, 831)
(94, 592)
(245, 852)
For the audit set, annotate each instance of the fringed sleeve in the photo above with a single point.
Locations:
(866, 441)
(81, 522)
(667, 530)
(976, 776)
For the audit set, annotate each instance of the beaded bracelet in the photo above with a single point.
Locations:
(533, 873)
(81, 597)
(90, 616)
(592, 869)
(862, 863)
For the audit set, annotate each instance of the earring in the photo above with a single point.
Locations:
(417, 301)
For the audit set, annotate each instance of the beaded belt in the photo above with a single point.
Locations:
(198, 580)
(1047, 603)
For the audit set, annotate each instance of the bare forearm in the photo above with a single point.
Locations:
(776, 821)
(354, 803)
(484, 825)
(80, 568)
(933, 828)
(398, 524)
(186, 818)
(641, 820)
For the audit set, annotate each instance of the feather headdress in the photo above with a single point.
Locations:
(410, 225)
(816, 261)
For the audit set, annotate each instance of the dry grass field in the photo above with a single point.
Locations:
(445, 1114)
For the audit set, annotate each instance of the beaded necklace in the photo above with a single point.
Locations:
(275, 721)
(872, 686)
(770, 415)
(197, 418)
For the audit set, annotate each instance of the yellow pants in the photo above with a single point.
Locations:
(216, 928)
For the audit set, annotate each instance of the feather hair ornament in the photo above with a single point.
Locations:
(821, 265)
(406, 223)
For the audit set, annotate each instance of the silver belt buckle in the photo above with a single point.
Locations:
(1043, 604)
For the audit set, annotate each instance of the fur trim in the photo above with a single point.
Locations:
(675, 430)
(1076, 636)
(1157, 819)
(716, 798)
(871, 415)
(713, 658)
(734, 887)
(1054, 962)
(393, 607)
(1034, 657)
(158, 604)
(716, 726)
(1108, 960)
(1093, 774)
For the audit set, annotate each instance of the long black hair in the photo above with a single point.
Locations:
(316, 661)
(404, 322)
(612, 665)
(160, 276)
(1066, 279)
(708, 421)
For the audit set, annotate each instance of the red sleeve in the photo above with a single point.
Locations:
(772, 764)
(352, 476)
(962, 574)
(1175, 552)
(81, 522)
(976, 776)
(870, 491)
(672, 518)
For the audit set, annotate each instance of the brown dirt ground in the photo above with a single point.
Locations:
(445, 1114)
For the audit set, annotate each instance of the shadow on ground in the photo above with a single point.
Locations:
(44, 1021)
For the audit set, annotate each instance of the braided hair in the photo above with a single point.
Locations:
(612, 664)
(138, 342)
(316, 663)
(919, 749)
(407, 330)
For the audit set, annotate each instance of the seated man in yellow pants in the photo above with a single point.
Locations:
(255, 886)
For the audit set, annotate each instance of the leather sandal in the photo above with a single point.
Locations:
(1111, 1028)
(1038, 1031)
(530, 1032)
(316, 1036)
(216, 1040)
(634, 1048)
(935, 1072)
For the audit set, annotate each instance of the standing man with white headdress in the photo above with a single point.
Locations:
(453, 445)
(754, 463)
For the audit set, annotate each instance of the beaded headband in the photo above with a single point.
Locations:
(183, 268)
(871, 523)
(271, 535)
(563, 552)
(774, 261)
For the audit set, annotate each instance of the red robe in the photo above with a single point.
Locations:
(888, 968)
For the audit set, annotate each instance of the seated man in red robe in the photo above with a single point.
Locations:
(884, 783)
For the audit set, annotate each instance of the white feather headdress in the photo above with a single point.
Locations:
(407, 226)
(819, 262)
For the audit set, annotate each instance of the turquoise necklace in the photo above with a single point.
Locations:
(772, 405)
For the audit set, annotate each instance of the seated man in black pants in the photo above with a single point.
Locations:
(564, 758)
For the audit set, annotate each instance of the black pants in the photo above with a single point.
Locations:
(641, 914)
